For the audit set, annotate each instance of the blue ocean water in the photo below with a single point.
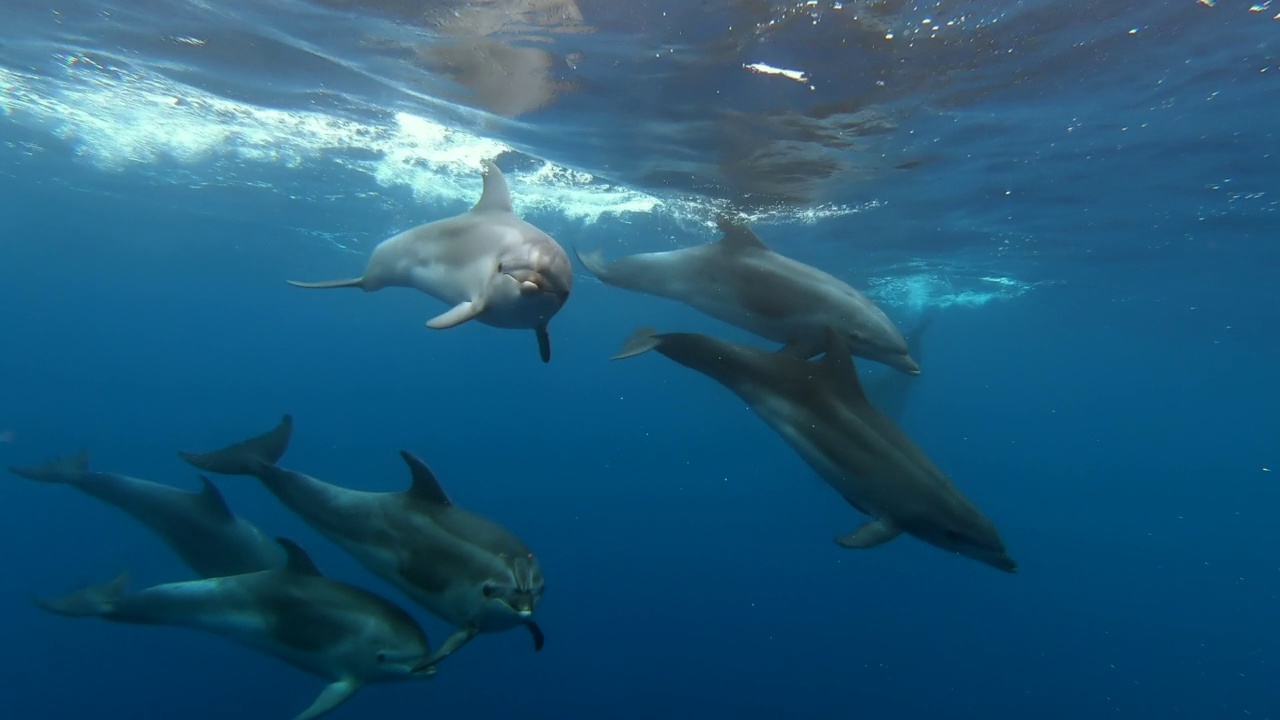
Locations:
(1084, 192)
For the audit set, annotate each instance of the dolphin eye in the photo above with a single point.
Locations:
(381, 657)
(489, 590)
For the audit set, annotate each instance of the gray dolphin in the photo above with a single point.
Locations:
(468, 570)
(739, 280)
(197, 526)
(820, 410)
(486, 263)
(320, 625)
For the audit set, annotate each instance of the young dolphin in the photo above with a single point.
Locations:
(739, 280)
(819, 409)
(320, 625)
(488, 264)
(466, 569)
(197, 526)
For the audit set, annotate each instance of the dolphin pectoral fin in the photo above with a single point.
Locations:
(449, 646)
(331, 697)
(870, 535)
(536, 632)
(800, 348)
(326, 284)
(640, 342)
(544, 343)
(456, 315)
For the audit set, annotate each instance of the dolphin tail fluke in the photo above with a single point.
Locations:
(249, 457)
(592, 260)
(57, 470)
(331, 697)
(327, 284)
(640, 342)
(917, 334)
(91, 601)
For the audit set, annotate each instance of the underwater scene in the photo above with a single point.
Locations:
(650, 359)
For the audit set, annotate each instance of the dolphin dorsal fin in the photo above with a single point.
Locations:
(838, 364)
(211, 499)
(425, 485)
(296, 559)
(737, 236)
(495, 197)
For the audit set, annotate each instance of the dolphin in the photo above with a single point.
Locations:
(820, 410)
(320, 625)
(739, 280)
(466, 569)
(486, 263)
(197, 526)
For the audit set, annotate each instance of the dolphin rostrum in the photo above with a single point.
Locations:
(197, 526)
(739, 280)
(486, 263)
(320, 625)
(820, 410)
(466, 569)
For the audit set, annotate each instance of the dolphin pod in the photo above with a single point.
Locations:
(466, 569)
(471, 572)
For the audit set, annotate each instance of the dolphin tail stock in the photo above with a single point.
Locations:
(91, 601)
(640, 342)
(57, 470)
(248, 457)
(328, 284)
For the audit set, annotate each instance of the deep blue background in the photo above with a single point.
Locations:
(1115, 426)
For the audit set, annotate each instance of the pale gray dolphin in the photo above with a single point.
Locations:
(197, 526)
(486, 263)
(739, 280)
(820, 410)
(322, 626)
(466, 569)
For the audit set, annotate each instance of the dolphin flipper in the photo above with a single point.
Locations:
(450, 645)
(326, 284)
(544, 343)
(248, 457)
(456, 315)
(536, 632)
(870, 535)
(640, 342)
(331, 697)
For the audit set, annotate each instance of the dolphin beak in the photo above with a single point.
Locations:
(426, 668)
